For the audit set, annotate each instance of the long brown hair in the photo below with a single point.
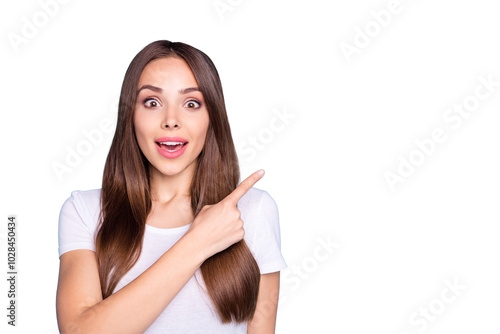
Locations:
(232, 276)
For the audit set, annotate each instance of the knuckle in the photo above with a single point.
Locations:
(240, 224)
(226, 205)
(236, 214)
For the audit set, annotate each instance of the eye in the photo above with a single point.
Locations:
(151, 103)
(192, 104)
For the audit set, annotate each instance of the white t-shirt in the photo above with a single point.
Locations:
(191, 311)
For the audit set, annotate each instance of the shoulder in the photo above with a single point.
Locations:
(84, 203)
(255, 199)
(88, 198)
(78, 220)
(87, 195)
(259, 213)
(258, 210)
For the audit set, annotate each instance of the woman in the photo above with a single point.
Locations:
(170, 244)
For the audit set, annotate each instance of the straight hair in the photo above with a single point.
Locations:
(232, 276)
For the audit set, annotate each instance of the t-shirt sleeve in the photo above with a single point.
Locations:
(75, 225)
(263, 229)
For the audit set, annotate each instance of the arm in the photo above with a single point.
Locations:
(264, 320)
(132, 309)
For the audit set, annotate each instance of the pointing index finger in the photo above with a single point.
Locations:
(244, 186)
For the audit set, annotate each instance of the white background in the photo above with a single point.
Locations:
(351, 119)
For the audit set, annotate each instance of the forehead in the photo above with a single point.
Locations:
(167, 71)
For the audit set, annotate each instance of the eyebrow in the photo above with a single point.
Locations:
(153, 88)
(159, 90)
(189, 90)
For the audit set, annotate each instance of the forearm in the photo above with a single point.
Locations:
(136, 306)
(264, 320)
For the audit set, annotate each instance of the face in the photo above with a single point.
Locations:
(170, 118)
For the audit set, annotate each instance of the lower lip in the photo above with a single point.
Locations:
(171, 155)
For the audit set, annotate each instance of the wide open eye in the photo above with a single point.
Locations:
(192, 104)
(151, 103)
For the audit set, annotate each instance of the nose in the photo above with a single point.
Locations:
(171, 119)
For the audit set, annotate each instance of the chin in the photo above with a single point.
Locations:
(171, 168)
(171, 171)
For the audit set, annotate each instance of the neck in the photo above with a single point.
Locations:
(164, 188)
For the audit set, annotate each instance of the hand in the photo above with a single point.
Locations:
(219, 226)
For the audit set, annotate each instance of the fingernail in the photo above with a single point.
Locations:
(260, 172)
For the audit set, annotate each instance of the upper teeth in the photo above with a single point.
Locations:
(171, 143)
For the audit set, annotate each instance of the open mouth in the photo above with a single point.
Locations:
(171, 146)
